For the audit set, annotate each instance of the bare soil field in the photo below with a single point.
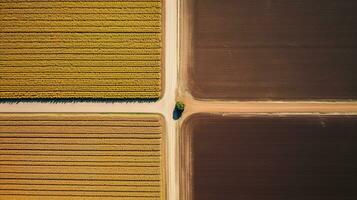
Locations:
(269, 157)
(272, 50)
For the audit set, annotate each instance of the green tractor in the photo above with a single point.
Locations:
(179, 108)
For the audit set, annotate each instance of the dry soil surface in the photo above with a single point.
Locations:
(270, 157)
(273, 50)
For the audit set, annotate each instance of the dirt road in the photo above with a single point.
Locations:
(194, 106)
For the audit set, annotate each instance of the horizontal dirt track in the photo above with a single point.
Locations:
(273, 50)
(82, 156)
(89, 49)
(269, 157)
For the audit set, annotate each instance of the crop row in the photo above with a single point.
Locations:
(80, 82)
(124, 123)
(94, 76)
(80, 169)
(79, 88)
(80, 63)
(151, 180)
(102, 39)
(82, 51)
(118, 10)
(85, 187)
(79, 36)
(151, 159)
(80, 17)
(110, 95)
(88, 117)
(127, 144)
(79, 69)
(81, 4)
(49, 45)
(80, 129)
(79, 153)
(127, 123)
(45, 24)
(80, 29)
(28, 57)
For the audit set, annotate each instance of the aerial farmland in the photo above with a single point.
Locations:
(106, 49)
(82, 156)
(73, 51)
(270, 97)
(178, 100)
(272, 50)
(272, 157)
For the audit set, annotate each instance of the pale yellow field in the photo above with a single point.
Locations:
(89, 49)
(82, 156)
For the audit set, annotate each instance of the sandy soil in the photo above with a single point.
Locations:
(195, 106)
(270, 156)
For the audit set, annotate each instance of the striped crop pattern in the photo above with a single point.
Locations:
(90, 49)
(82, 156)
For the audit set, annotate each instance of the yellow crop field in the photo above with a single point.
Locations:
(82, 156)
(90, 49)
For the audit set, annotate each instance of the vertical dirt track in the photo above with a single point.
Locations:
(271, 157)
(273, 49)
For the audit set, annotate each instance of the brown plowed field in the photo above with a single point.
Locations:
(278, 50)
(270, 157)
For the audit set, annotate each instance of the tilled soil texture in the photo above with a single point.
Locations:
(82, 156)
(272, 157)
(274, 50)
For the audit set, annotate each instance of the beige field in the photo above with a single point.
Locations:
(82, 156)
(81, 49)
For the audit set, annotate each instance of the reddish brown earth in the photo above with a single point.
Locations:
(270, 157)
(273, 49)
